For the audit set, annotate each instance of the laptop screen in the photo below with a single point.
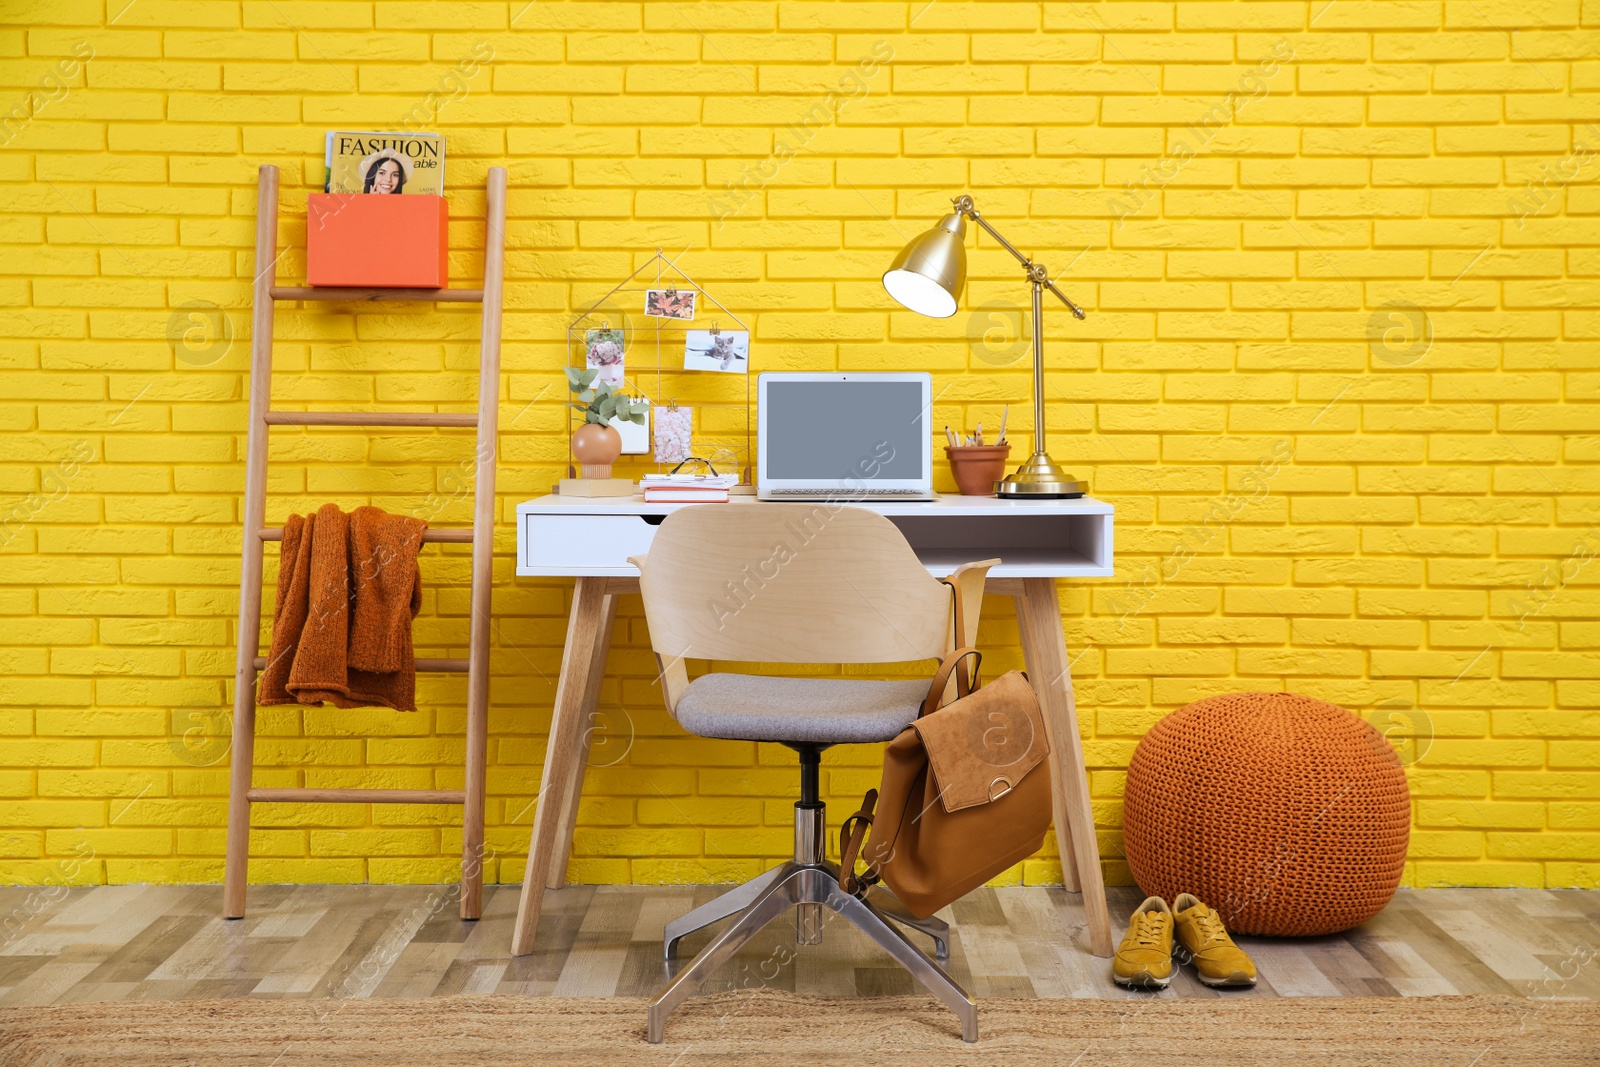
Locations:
(867, 430)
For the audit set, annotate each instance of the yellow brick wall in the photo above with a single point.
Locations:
(1339, 376)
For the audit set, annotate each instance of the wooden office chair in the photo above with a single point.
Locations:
(791, 583)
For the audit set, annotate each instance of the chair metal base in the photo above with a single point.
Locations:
(807, 887)
(737, 899)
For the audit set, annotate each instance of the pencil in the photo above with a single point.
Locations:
(1000, 438)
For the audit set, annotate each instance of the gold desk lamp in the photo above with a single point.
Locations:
(927, 277)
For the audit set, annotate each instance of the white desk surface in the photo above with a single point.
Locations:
(948, 504)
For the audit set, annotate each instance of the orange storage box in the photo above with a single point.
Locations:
(369, 240)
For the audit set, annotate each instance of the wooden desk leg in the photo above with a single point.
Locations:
(1069, 858)
(1045, 648)
(557, 876)
(584, 632)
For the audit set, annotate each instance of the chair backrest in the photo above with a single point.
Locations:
(790, 583)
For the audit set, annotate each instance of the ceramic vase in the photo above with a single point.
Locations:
(596, 447)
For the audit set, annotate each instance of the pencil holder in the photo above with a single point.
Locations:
(978, 467)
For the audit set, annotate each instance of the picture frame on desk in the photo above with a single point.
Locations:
(635, 435)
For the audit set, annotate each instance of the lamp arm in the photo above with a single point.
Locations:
(972, 213)
(1036, 271)
(1077, 312)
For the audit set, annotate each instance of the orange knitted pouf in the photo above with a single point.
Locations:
(1287, 815)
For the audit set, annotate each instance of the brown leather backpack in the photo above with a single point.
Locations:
(964, 795)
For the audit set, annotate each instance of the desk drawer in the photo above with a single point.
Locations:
(583, 544)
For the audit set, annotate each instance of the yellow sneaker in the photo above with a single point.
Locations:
(1218, 961)
(1144, 958)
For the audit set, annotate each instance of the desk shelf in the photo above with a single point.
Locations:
(563, 537)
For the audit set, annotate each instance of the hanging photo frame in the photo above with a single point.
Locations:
(655, 307)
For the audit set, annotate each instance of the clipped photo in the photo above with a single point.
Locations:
(673, 434)
(727, 351)
(603, 352)
(669, 303)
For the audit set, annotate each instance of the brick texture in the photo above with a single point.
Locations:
(1340, 377)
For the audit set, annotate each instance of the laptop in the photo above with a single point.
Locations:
(845, 436)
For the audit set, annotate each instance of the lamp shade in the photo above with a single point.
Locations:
(929, 273)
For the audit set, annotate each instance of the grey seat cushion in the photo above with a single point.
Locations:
(751, 707)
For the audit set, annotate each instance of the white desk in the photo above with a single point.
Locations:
(1038, 542)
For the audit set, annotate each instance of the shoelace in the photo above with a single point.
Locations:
(1210, 926)
(1147, 928)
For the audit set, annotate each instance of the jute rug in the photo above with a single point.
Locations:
(761, 1028)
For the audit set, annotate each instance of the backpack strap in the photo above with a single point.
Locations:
(958, 613)
(852, 835)
(965, 682)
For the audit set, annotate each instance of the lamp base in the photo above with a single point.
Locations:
(1040, 478)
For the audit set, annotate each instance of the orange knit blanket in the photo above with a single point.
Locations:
(348, 588)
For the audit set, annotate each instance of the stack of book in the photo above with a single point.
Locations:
(687, 488)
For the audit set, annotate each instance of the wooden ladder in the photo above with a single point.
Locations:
(242, 792)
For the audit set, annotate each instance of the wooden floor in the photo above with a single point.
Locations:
(168, 942)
